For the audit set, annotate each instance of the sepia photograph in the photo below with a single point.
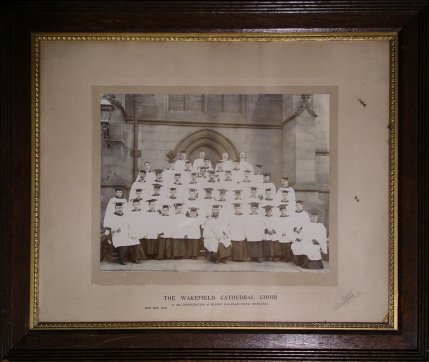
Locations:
(214, 182)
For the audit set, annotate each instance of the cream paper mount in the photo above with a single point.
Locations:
(69, 71)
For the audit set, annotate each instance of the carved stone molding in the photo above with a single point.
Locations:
(206, 138)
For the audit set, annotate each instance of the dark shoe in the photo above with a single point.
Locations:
(123, 262)
(138, 261)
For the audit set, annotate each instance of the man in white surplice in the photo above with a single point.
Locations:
(308, 250)
(117, 225)
(110, 208)
(244, 164)
(216, 236)
(179, 165)
(199, 162)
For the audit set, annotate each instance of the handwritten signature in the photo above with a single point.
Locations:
(346, 299)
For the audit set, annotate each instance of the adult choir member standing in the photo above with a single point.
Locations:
(151, 229)
(308, 250)
(286, 233)
(254, 233)
(237, 233)
(193, 233)
(270, 240)
(216, 237)
(178, 231)
(117, 226)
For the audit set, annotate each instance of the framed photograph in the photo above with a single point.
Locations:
(187, 186)
(217, 203)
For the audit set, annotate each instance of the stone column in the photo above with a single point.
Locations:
(299, 146)
(306, 152)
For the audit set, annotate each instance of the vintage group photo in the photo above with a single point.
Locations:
(214, 182)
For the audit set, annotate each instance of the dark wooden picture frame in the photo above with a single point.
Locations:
(20, 19)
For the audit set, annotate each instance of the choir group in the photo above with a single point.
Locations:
(232, 209)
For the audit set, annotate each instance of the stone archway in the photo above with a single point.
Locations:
(213, 142)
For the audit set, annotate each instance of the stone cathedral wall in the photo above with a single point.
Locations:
(288, 134)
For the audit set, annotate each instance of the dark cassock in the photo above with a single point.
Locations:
(308, 249)
(216, 237)
(165, 244)
(254, 233)
(286, 234)
(237, 234)
(178, 231)
(193, 233)
(270, 240)
(117, 226)
(151, 229)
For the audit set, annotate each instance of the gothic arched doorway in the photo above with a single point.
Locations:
(213, 142)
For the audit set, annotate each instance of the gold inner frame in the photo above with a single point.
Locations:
(391, 320)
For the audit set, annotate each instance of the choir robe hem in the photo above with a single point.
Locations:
(239, 250)
(254, 249)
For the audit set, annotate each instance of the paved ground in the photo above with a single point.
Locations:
(202, 264)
